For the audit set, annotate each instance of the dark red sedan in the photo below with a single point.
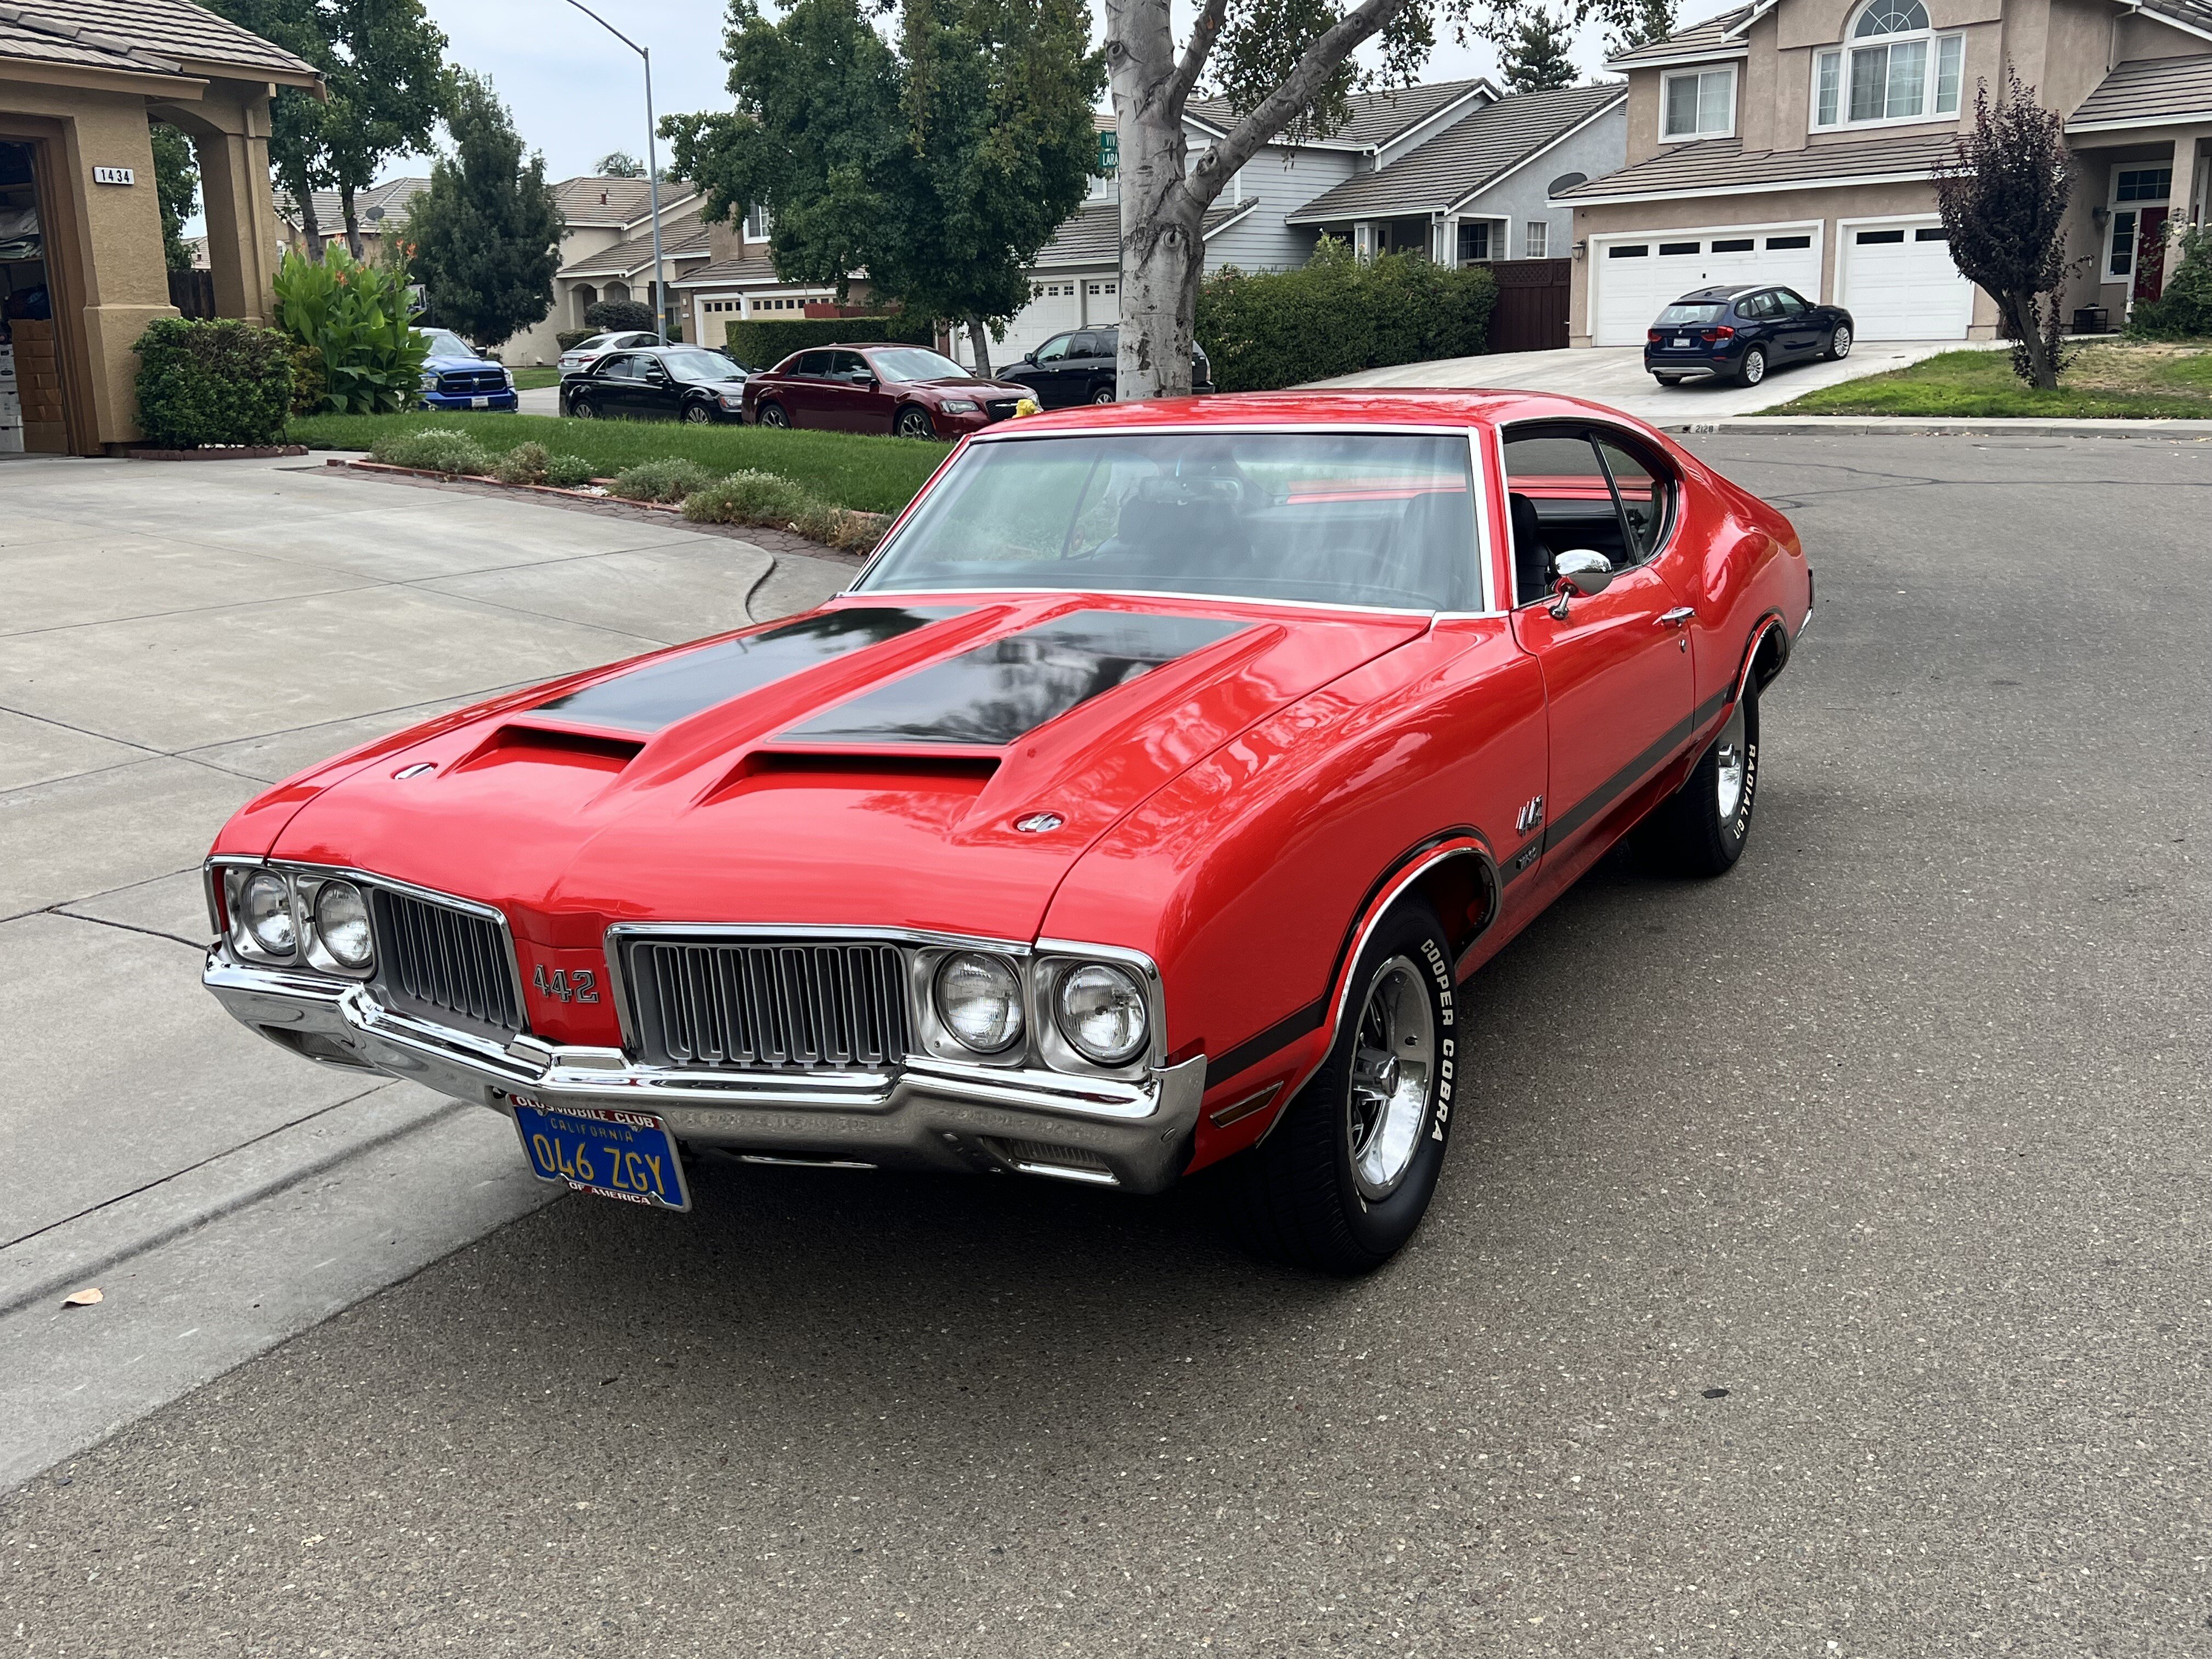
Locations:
(906, 389)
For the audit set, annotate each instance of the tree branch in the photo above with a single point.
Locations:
(1202, 36)
(1280, 108)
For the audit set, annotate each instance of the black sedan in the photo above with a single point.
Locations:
(664, 383)
(1739, 333)
(1078, 368)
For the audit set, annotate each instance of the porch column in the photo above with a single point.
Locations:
(231, 143)
(2189, 175)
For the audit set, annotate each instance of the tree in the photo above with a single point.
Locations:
(619, 164)
(177, 185)
(486, 234)
(1646, 23)
(1285, 67)
(2003, 196)
(388, 87)
(1538, 57)
(940, 168)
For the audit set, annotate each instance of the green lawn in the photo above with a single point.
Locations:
(534, 380)
(875, 475)
(2126, 381)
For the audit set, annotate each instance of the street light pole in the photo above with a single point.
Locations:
(652, 167)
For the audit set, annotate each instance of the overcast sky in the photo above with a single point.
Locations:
(577, 93)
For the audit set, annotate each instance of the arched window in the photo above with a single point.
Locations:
(1893, 69)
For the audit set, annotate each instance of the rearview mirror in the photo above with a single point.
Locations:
(1579, 570)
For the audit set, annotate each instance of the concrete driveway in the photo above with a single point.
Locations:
(1614, 375)
(175, 638)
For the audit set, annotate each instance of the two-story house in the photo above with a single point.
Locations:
(606, 253)
(1797, 141)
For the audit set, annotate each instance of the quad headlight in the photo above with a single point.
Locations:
(265, 912)
(979, 998)
(1100, 1009)
(342, 924)
(303, 916)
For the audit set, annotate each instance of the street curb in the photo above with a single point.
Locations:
(72, 1254)
(1875, 425)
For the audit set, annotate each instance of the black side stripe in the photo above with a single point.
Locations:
(1251, 1052)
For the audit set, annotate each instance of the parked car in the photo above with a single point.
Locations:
(456, 375)
(667, 383)
(907, 389)
(584, 353)
(1079, 367)
(1143, 804)
(1741, 333)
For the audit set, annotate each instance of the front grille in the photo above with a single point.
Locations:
(1000, 409)
(763, 1004)
(444, 964)
(471, 382)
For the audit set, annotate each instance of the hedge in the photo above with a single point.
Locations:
(213, 382)
(1338, 314)
(2184, 310)
(763, 345)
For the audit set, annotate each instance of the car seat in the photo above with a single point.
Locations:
(1532, 555)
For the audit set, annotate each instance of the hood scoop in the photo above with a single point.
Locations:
(552, 746)
(781, 769)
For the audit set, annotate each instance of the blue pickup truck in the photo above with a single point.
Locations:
(457, 376)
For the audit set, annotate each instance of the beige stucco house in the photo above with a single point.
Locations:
(606, 253)
(1795, 141)
(82, 268)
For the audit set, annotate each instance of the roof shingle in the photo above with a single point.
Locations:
(172, 30)
(2148, 90)
(1713, 35)
(683, 236)
(1723, 164)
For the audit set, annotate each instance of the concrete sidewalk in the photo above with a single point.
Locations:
(176, 637)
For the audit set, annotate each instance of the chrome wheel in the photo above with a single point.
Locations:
(697, 414)
(1728, 770)
(1754, 367)
(1839, 344)
(1104, 395)
(916, 423)
(773, 415)
(582, 410)
(1393, 1067)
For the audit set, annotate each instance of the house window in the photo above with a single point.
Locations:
(1534, 235)
(756, 228)
(1473, 241)
(1895, 69)
(1700, 104)
(2130, 185)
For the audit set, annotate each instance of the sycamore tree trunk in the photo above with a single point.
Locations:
(352, 223)
(2029, 327)
(310, 227)
(979, 340)
(1164, 196)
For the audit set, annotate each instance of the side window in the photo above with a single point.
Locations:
(1559, 500)
(618, 367)
(1646, 495)
(848, 366)
(812, 364)
(1760, 306)
(1089, 346)
(1054, 350)
(1789, 304)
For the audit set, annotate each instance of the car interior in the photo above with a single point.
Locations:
(1571, 487)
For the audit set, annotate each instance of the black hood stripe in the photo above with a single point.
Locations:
(661, 693)
(997, 693)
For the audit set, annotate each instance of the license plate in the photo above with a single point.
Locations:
(479, 403)
(1682, 342)
(606, 1150)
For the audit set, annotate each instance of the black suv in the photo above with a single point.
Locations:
(1739, 333)
(1078, 368)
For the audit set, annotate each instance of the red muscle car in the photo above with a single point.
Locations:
(1147, 802)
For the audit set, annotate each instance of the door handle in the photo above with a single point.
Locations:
(1677, 617)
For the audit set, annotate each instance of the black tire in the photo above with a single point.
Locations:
(1701, 829)
(1839, 341)
(1102, 394)
(581, 409)
(771, 414)
(696, 413)
(1752, 369)
(1307, 1195)
(913, 421)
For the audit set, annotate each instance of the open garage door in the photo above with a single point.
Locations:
(1899, 283)
(1636, 277)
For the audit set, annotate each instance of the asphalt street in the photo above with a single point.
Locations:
(1820, 1268)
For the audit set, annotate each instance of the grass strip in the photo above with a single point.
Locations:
(2107, 382)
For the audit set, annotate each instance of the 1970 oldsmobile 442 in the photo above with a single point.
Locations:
(1147, 802)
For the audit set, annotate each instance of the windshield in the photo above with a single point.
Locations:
(1333, 517)
(699, 364)
(444, 342)
(1700, 315)
(915, 363)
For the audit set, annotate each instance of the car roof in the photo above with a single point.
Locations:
(1348, 406)
(1718, 293)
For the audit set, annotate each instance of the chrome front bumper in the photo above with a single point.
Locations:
(924, 1114)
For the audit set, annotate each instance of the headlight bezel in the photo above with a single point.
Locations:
(1122, 982)
(243, 933)
(1015, 995)
(320, 951)
(958, 406)
(1040, 969)
(229, 879)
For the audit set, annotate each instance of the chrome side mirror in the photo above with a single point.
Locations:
(1578, 570)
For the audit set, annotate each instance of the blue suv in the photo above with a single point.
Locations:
(457, 376)
(1739, 333)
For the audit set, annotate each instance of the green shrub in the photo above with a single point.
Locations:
(610, 314)
(669, 479)
(434, 449)
(1338, 314)
(763, 498)
(354, 314)
(568, 471)
(763, 345)
(525, 463)
(219, 382)
(2184, 311)
(307, 380)
(568, 338)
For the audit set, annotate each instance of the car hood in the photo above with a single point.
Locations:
(934, 764)
(965, 386)
(447, 365)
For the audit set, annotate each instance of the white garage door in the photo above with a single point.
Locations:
(1055, 303)
(1899, 283)
(1637, 276)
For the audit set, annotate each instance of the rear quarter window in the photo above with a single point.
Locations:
(1695, 316)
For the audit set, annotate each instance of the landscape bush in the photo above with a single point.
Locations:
(308, 382)
(1336, 314)
(763, 498)
(2184, 311)
(670, 479)
(764, 344)
(354, 315)
(433, 449)
(525, 463)
(607, 315)
(569, 338)
(568, 471)
(213, 382)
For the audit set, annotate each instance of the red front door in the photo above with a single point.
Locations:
(2151, 252)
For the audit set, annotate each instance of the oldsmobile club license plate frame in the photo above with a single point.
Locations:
(610, 1152)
